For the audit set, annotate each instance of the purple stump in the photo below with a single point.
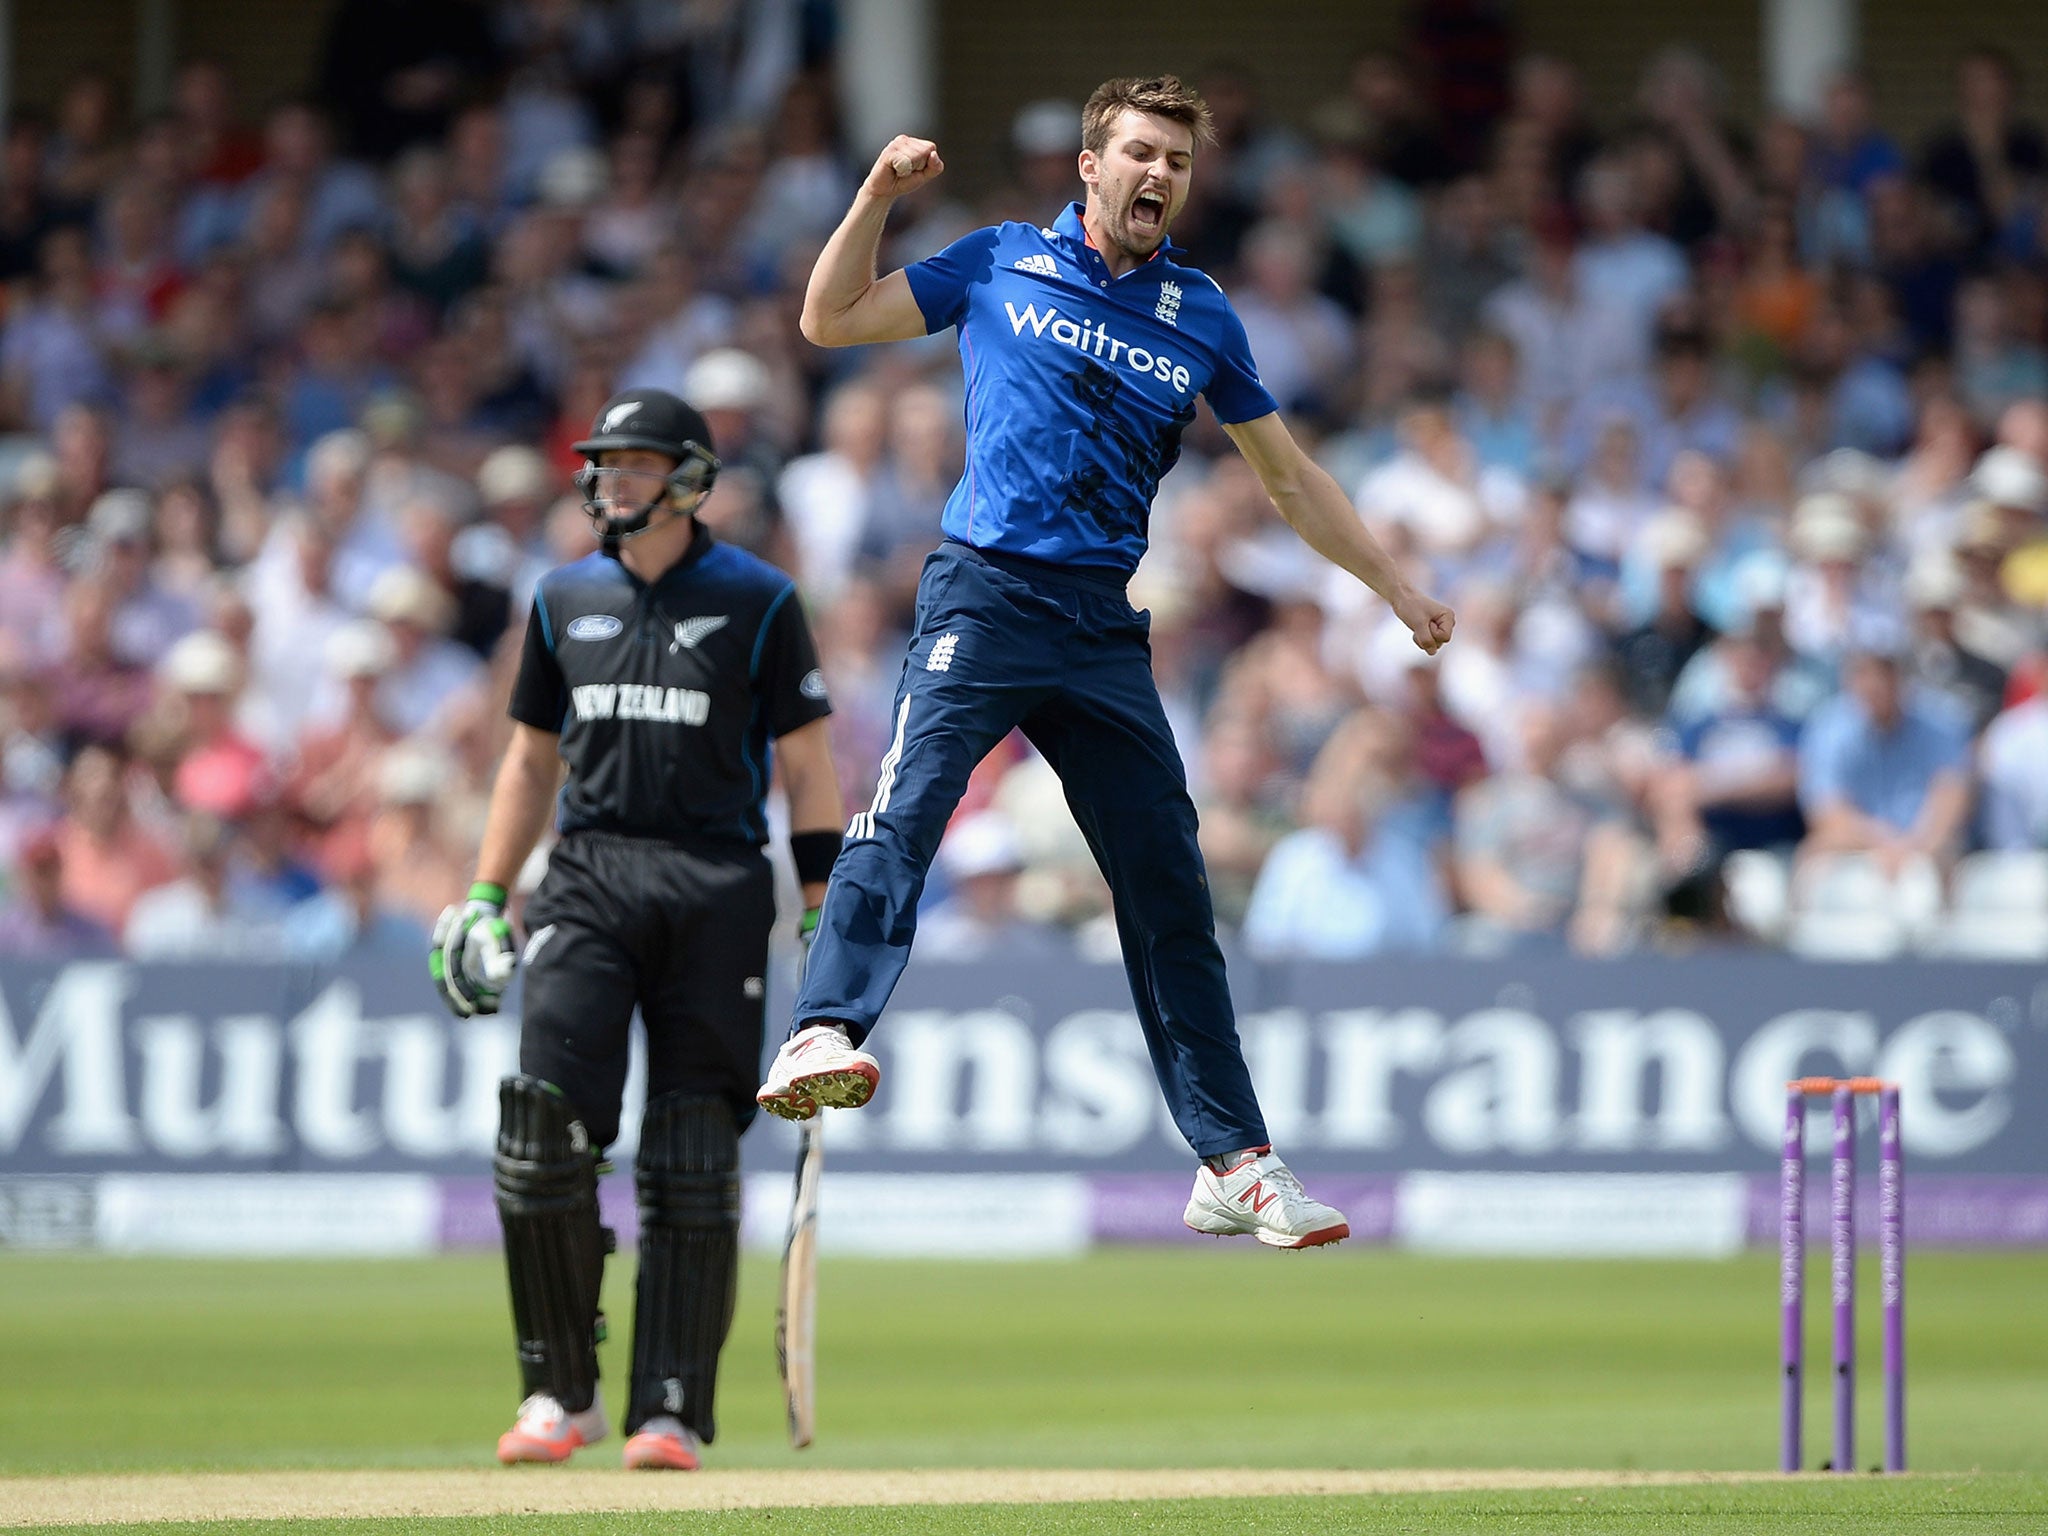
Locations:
(1792, 1273)
(1891, 1204)
(1842, 1267)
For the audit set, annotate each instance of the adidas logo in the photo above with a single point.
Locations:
(691, 631)
(941, 658)
(1044, 266)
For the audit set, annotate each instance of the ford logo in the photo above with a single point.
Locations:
(594, 626)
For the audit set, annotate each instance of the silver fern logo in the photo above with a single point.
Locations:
(691, 632)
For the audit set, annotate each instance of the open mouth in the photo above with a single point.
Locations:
(1148, 211)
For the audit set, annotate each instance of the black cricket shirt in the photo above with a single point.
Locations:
(667, 695)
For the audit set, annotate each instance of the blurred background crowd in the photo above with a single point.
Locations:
(1729, 442)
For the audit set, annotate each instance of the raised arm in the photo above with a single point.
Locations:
(845, 304)
(1316, 509)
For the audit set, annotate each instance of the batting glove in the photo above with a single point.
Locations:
(473, 956)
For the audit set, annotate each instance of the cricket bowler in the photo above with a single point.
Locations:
(1085, 344)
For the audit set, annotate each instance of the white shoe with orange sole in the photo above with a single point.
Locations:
(818, 1068)
(1260, 1197)
(546, 1431)
(663, 1444)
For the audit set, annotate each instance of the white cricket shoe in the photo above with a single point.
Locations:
(818, 1067)
(546, 1431)
(1262, 1197)
(662, 1444)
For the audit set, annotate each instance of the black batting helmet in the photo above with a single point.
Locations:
(656, 420)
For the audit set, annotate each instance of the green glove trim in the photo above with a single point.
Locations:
(483, 890)
(809, 925)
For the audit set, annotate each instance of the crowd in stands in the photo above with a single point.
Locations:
(1729, 443)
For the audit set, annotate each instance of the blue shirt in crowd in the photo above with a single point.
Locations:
(1883, 774)
(1079, 386)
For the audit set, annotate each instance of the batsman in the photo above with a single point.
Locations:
(1085, 344)
(663, 672)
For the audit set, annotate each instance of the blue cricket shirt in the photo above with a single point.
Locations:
(1079, 386)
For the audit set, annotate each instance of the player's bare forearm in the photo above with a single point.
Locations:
(845, 303)
(811, 783)
(1315, 508)
(521, 801)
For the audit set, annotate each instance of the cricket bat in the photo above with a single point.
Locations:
(796, 1308)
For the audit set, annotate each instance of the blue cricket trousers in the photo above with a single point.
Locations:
(1003, 643)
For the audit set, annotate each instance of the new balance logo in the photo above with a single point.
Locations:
(1044, 266)
(1258, 1197)
(941, 658)
(691, 631)
(1168, 308)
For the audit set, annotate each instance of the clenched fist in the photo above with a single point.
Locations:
(1428, 620)
(904, 165)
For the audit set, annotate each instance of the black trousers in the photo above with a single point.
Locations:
(682, 934)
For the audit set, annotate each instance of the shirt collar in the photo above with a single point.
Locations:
(1068, 227)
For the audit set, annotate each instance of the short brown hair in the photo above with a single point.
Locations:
(1166, 96)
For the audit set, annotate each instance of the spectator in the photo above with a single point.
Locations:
(1880, 773)
(430, 670)
(220, 771)
(348, 920)
(1979, 163)
(1612, 500)
(829, 496)
(31, 581)
(147, 620)
(1634, 273)
(1307, 336)
(1938, 667)
(1243, 814)
(909, 491)
(50, 348)
(1849, 151)
(1434, 495)
(1354, 881)
(2015, 776)
(1655, 653)
(197, 916)
(1568, 338)
(108, 858)
(100, 694)
(334, 780)
(1531, 862)
(1491, 412)
(1798, 685)
(1374, 219)
(38, 924)
(1682, 412)
(1448, 758)
(980, 859)
(495, 561)
(31, 750)
(1733, 782)
(407, 839)
(28, 211)
(160, 438)
(1827, 595)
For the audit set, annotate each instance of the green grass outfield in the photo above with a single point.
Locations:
(1210, 1356)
